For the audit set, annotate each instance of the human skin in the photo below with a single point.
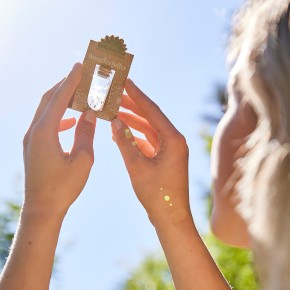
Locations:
(53, 180)
(158, 168)
(229, 140)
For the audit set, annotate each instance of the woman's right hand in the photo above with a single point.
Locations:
(158, 166)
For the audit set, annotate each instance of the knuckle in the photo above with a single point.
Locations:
(38, 132)
(46, 97)
(158, 109)
(179, 142)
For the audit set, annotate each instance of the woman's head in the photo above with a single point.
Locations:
(260, 75)
(259, 53)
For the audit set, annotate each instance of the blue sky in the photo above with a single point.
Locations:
(179, 58)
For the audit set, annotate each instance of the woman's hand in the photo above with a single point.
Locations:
(54, 178)
(158, 166)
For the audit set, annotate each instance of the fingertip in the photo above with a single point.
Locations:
(133, 90)
(76, 72)
(87, 123)
(121, 131)
(129, 81)
(84, 135)
(90, 116)
(66, 124)
(117, 125)
(77, 66)
(129, 84)
(73, 119)
(126, 143)
(120, 115)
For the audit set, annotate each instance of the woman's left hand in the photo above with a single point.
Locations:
(54, 178)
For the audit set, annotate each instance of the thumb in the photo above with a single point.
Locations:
(127, 144)
(84, 137)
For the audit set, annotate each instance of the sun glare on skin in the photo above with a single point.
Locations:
(166, 197)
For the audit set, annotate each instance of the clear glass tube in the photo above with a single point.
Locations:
(100, 87)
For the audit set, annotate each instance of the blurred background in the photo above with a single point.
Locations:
(107, 241)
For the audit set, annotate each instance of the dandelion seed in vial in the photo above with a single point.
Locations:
(100, 87)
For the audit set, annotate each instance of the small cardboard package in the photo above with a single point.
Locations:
(105, 70)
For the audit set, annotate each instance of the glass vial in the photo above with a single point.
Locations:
(100, 87)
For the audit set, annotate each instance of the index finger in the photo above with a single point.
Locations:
(150, 110)
(61, 97)
(128, 103)
(43, 103)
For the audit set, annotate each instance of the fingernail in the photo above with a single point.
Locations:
(76, 65)
(116, 125)
(90, 116)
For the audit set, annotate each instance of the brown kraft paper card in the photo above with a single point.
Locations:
(105, 69)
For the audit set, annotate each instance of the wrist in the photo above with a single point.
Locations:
(171, 218)
(39, 211)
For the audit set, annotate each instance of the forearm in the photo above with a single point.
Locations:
(191, 265)
(53, 181)
(160, 181)
(30, 262)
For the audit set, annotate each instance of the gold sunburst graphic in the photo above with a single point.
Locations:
(114, 44)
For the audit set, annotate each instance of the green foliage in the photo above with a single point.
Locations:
(236, 264)
(8, 220)
(207, 138)
(153, 274)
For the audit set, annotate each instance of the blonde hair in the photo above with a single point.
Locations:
(260, 54)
